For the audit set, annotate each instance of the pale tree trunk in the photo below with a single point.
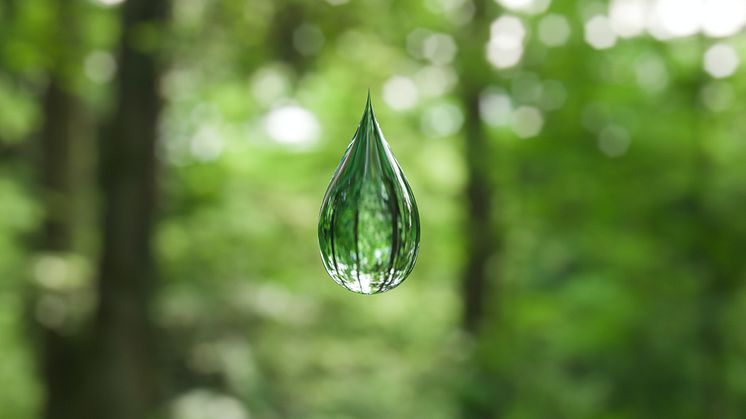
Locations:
(127, 376)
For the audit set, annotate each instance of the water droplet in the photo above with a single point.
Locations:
(369, 228)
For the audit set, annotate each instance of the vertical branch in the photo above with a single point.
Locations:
(127, 376)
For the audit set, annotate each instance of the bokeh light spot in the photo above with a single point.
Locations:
(100, 66)
(439, 48)
(308, 39)
(628, 17)
(721, 60)
(416, 42)
(723, 17)
(675, 18)
(206, 404)
(442, 119)
(613, 141)
(206, 145)
(270, 84)
(109, 3)
(526, 6)
(292, 125)
(651, 73)
(554, 30)
(717, 96)
(400, 93)
(505, 47)
(458, 12)
(527, 122)
(434, 81)
(495, 107)
(598, 33)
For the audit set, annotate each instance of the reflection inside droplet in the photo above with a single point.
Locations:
(369, 228)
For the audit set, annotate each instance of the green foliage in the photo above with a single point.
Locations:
(17, 217)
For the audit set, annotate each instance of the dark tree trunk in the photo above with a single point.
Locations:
(60, 357)
(478, 285)
(126, 376)
(60, 360)
(57, 138)
(287, 19)
(481, 243)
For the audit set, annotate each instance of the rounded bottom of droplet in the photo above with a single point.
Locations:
(368, 284)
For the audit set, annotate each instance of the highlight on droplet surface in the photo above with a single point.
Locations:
(369, 226)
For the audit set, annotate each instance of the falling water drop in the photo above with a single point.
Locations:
(369, 228)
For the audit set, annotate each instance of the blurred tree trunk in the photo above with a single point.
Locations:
(715, 254)
(59, 350)
(60, 357)
(482, 245)
(57, 137)
(288, 17)
(126, 374)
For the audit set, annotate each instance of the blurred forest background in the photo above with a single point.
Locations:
(579, 168)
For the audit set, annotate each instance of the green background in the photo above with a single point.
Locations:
(582, 210)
